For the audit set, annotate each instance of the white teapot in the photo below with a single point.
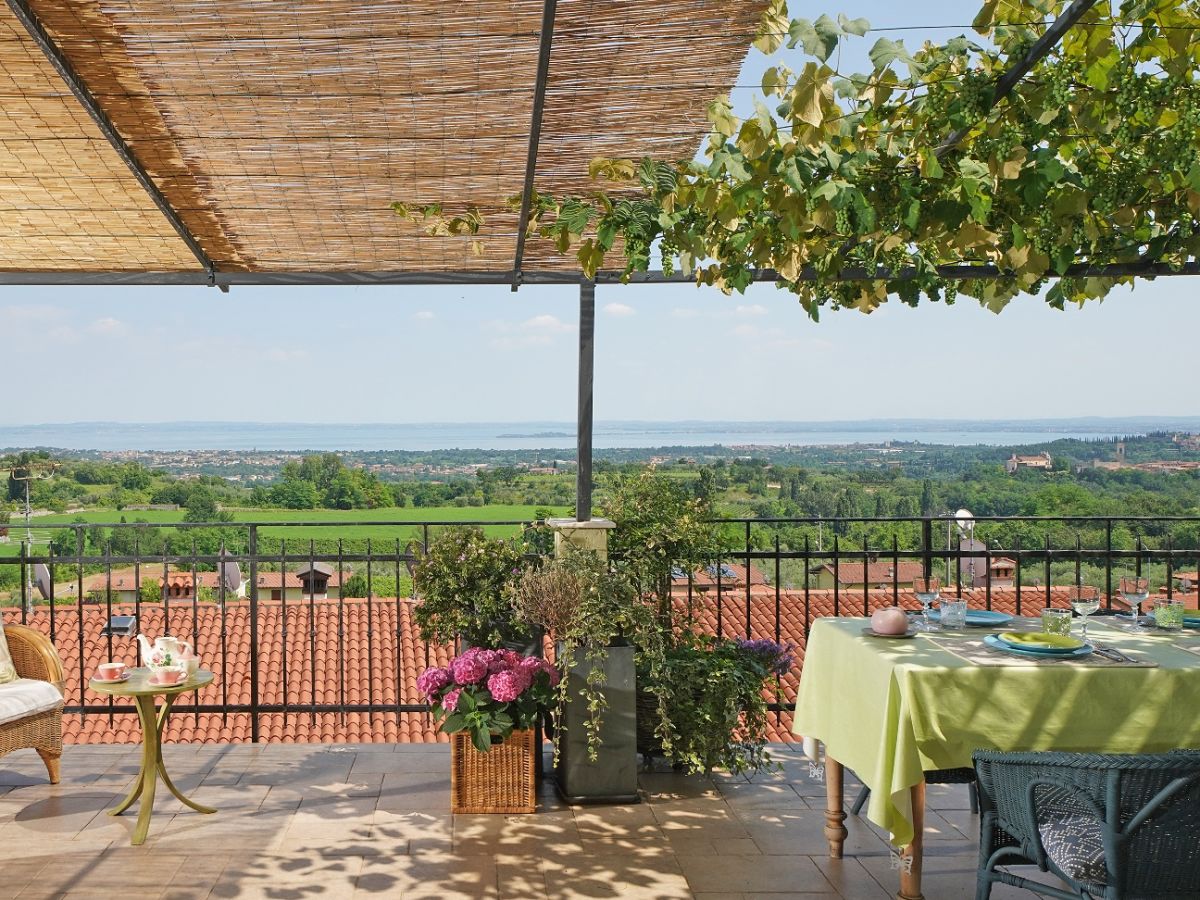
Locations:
(166, 652)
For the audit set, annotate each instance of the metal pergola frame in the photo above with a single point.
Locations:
(209, 275)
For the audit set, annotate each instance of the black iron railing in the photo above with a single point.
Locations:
(298, 652)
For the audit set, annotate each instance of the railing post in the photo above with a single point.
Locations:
(253, 548)
(927, 545)
(1108, 551)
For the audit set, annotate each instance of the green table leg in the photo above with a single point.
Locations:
(152, 768)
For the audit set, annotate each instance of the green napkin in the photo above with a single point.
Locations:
(1027, 639)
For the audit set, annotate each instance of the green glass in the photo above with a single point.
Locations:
(1168, 614)
(1056, 621)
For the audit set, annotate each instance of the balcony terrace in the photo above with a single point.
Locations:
(373, 820)
(330, 779)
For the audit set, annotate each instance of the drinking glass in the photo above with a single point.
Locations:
(1056, 621)
(1085, 600)
(1168, 614)
(927, 590)
(954, 613)
(1135, 591)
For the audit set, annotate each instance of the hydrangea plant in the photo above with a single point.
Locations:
(488, 692)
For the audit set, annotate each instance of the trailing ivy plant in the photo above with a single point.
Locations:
(1092, 160)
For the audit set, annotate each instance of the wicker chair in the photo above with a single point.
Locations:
(1111, 826)
(34, 656)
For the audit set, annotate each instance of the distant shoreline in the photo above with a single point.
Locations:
(550, 435)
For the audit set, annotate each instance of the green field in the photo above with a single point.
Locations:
(325, 524)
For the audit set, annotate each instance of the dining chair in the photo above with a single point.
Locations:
(1110, 826)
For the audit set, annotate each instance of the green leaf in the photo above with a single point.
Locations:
(886, 51)
(772, 27)
(828, 33)
(811, 85)
(481, 737)
(720, 114)
(857, 27)
(929, 166)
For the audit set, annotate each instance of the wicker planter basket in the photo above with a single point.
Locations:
(499, 781)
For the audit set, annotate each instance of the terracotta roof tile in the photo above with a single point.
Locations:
(376, 670)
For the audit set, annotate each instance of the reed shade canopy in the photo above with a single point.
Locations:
(280, 132)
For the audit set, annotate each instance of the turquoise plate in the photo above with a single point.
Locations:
(987, 618)
(996, 644)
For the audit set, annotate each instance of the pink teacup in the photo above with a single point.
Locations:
(167, 676)
(111, 671)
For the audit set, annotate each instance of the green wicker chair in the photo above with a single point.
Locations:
(1111, 826)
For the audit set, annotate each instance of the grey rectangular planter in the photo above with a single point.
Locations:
(612, 778)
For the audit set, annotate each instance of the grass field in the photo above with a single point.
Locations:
(320, 523)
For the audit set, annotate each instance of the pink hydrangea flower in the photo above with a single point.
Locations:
(508, 686)
(503, 661)
(433, 680)
(450, 700)
(468, 668)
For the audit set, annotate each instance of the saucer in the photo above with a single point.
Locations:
(871, 632)
(100, 680)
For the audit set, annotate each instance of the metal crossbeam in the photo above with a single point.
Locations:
(498, 277)
(1037, 52)
(29, 19)
(545, 42)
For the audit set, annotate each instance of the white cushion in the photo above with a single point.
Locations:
(26, 697)
(7, 671)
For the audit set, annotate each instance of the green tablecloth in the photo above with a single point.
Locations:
(892, 709)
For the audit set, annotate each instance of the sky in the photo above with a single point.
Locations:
(665, 352)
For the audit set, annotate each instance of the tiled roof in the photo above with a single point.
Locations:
(383, 656)
(731, 574)
(878, 572)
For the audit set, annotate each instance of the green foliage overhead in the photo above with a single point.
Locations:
(1093, 159)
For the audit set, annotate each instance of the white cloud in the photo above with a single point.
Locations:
(752, 309)
(107, 326)
(619, 309)
(424, 315)
(538, 331)
(284, 355)
(545, 323)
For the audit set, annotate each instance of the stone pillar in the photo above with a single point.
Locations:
(591, 535)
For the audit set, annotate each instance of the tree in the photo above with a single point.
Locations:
(295, 493)
(202, 507)
(853, 187)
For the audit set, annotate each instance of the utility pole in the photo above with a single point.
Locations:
(33, 470)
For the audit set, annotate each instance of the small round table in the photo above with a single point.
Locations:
(138, 686)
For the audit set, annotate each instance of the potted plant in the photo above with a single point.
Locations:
(489, 701)
(594, 616)
(463, 582)
(712, 693)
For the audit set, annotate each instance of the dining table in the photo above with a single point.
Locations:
(891, 709)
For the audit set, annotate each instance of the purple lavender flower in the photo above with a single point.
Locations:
(776, 658)
(433, 680)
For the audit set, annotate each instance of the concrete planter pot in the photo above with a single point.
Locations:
(612, 778)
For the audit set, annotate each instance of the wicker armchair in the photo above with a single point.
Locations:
(1111, 826)
(35, 657)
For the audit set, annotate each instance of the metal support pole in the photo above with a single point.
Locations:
(583, 428)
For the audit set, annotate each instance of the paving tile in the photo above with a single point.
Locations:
(756, 873)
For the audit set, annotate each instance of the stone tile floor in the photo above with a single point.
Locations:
(320, 821)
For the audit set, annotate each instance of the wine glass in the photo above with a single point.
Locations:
(1085, 600)
(927, 589)
(1135, 591)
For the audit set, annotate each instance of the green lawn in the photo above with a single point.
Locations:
(327, 523)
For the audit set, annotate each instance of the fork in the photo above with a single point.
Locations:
(1113, 653)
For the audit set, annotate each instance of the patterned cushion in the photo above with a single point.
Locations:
(27, 697)
(7, 671)
(1072, 838)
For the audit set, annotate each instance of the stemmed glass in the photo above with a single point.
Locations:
(1135, 591)
(927, 589)
(1085, 600)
